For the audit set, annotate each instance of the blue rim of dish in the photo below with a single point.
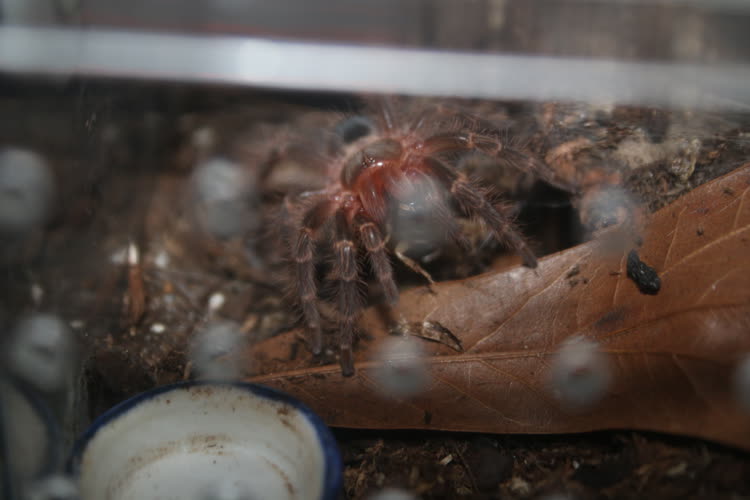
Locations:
(332, 475)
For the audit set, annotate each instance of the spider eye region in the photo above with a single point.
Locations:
(381, 153)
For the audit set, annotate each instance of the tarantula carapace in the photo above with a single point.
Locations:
(377, 169)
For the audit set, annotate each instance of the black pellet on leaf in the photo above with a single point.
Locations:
(643, 275)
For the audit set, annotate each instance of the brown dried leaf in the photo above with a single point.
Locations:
(672, 354)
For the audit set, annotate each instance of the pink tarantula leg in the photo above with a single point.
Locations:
(496, 148)
(373, 241)
(304, 265)
(473, 202)
(345, 273)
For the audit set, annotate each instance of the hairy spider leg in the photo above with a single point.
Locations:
(345, 272)
(304, 259)
(374, 244)
(474, 203)
(458, 117)
(385, 111)
(494, 147)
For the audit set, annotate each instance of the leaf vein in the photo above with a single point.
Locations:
(739, 210)
(482, 403)
(732, 234)
(518, 309)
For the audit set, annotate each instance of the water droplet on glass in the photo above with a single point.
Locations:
(41, 352)
(223, 194)
(580, 374)
(353, 128)
(212, 350)
(56, 487)
(203, 139)
(26, 190)
(420, 215)
(401, 370)
(611, 207)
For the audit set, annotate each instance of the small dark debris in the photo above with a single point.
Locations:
(611, 318)
(575, 270)
(656, 123)
(489, 466)
(643, 275)
(603, 475)
(726, 472)
(293, 351)
(699, 231)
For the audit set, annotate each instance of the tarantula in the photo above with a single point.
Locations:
(376, 169)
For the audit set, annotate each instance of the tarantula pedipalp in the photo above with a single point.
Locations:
(375, 171)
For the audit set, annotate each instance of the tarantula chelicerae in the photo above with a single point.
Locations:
(379, 170)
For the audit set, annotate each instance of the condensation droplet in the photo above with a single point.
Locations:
(401, 369)
(580, 374)
(203, 139)
(223, 194)
(419, 216)
(353, 128)
(56, 487)
(742, 383)
(392, 494)
(37, 293)
(212, 348)
(26, 190)
(607, 207)
(119, 257)
(41, 352)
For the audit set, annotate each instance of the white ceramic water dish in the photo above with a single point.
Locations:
(202, 441)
